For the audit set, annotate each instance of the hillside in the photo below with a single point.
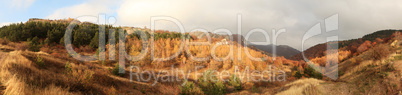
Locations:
(375, 71)
(281, 50)
(35, 61)
(352, 44)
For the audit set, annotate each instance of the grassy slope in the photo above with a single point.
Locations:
(358, 77)
(20, 75)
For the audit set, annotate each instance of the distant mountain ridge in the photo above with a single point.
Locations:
(281, 50)
(319, 49)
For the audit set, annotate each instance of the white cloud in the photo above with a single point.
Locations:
(356, 18)
(21, 3)
(89, 8)
(5, 24)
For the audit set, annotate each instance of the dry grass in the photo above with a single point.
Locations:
(302, 86)
(4, 41)
(380, 51)
(21, 46)
(20, 75)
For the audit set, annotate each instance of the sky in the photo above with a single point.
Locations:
(355, 17)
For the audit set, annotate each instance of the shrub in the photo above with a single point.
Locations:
(310, 72)
(383, 74)
(219, 88)
(205, 82)
(21, 46)
(248, 85)
(190, 89)
(340, 73)
(86, 49)
(68, 67)
(116, 70)
(235, 82)
(103, 63)
(4, 41)
(380, 52)
(45, 48)
(83, 75)
(255, 89)
(297, 74)
(211, 85)
(39, 61)
(391, 67)
(34, 44)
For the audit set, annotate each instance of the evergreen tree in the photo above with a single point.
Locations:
(95, 41)
(34, 44)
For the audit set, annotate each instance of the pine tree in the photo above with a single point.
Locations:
(95, 41)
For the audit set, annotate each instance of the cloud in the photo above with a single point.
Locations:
(5, 24)
(88, 8)
(356, 18)
(21, 3)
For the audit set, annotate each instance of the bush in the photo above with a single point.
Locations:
(39, 61)
(297, 74)
(68, 67)
(380, 51)
(309, 70)
(4, 41)
(103, 63)
(219, 88)
(190, 89)
(255, 89)
(235, 82)
(21, 46)
(34, 44)
(211, 85)
(116, 70)
(83, 75)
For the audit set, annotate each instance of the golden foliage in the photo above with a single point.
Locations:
(177, 52)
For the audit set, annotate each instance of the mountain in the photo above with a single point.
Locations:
(312, 52)
(352, 44)
(281, 50)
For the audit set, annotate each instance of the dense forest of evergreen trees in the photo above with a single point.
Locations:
(38, 33)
